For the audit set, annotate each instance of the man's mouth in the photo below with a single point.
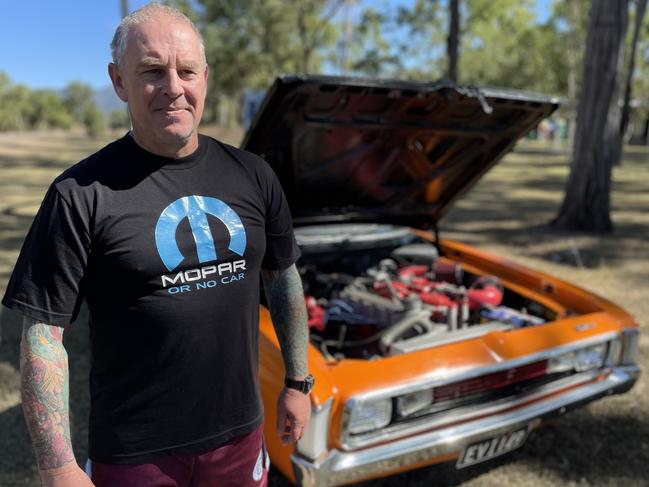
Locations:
(171, 110)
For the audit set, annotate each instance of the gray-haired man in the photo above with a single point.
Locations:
(138, 229)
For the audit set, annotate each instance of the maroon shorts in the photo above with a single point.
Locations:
(241, 462)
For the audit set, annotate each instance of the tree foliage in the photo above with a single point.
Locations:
(78, 99)
(22, 108)
(250, 42)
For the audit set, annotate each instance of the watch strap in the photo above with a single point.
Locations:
(303, 386)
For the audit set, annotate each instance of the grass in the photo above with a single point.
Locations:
(603, 444)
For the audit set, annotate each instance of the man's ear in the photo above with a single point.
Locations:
(118, 82)
(207, 71)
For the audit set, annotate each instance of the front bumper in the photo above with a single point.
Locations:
(340, 467)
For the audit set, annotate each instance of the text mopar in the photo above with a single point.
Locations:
(201, 273)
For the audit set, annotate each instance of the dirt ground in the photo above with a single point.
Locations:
(603, 444)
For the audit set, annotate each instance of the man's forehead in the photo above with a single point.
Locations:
(152, 41)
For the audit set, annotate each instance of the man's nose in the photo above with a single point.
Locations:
(172, 84)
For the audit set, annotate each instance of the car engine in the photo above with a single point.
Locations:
(368, 304)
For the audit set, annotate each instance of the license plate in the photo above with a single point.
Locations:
(489, 448)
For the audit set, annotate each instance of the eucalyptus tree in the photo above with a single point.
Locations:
(597, 146)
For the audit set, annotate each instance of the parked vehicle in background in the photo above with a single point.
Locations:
(424, 350)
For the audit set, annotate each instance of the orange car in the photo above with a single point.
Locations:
(424, 350)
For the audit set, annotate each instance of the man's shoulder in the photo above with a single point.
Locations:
(249, 160)
(94, 169)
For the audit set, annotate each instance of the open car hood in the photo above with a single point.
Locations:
(348, 149)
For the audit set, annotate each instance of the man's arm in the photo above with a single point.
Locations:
(286, 303)
(44, 388)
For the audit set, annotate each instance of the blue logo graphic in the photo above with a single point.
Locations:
(196, 209)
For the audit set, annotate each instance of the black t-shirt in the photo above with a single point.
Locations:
(167, 254)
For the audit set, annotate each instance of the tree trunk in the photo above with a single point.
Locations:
(453, 39)
(123, 4)
(347, 38)
(641, 7)
(586, 205)
(572, 51)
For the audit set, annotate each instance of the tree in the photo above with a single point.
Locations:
(597, 147)
(118, 119)
(453, 39)
(94, 121)
(641, 7)
(370, 51)
(48, 111)
(78, 98)
(312, 27)
(250, 42)
(569, 26)
(502, 45)
(398, 42)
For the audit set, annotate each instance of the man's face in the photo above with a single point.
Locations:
(164, 80)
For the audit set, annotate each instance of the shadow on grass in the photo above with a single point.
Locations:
(32, 162)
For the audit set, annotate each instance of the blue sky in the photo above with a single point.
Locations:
(48, 43)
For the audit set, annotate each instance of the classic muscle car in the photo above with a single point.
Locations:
(424, 350)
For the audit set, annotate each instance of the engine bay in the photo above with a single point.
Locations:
(368, 302)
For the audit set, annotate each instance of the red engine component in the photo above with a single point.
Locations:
(437, 299)
(438, 285)
(489, 295)
(486, 290)
(315, 312)
(447, 271)
(409, 272)
(382, 288)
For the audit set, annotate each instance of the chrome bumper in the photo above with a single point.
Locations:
(340, 467)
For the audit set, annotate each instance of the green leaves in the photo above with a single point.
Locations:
(22, 108)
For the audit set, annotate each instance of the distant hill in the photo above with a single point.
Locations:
(107, 100)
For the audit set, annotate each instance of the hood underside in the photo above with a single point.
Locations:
(349, 149)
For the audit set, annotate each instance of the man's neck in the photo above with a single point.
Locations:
(174, 151)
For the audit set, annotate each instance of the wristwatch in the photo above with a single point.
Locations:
(303, 386)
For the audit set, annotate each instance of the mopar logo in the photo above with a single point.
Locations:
(196, 209)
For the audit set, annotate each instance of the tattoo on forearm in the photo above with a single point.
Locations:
(286, 302)
(44, 386)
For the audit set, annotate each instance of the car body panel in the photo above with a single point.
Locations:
(379, 150)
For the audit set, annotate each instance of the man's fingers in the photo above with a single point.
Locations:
(293, 411)
(292, 431)
(298, 431)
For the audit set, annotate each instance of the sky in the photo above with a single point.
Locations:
(49, 43)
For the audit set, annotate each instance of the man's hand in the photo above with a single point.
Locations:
(69, 475)
(293, 412)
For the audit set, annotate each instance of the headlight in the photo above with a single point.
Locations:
(413, 402)
(314, 440)
(369, 414)
(587, 358)
(590, 358)
(561, 363)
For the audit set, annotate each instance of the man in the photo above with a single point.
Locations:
(164, 233)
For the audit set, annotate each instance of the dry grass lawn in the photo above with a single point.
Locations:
(603, 444)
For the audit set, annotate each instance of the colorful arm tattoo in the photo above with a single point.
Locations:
(286, 302)
(45, 387)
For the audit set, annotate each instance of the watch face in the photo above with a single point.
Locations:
(309, 381)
